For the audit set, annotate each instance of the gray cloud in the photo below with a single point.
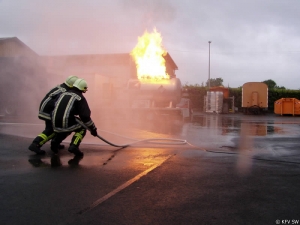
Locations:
(252, 40)
(152, 12)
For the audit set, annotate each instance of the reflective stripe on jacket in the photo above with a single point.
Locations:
(70, 104)
(48, 103)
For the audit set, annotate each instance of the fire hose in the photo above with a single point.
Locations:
(152, 140)
(82, 124)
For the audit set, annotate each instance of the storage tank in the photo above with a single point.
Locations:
(254, 97)
(160, 93)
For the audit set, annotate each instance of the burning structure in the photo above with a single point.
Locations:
(156, 87)
(141, 81)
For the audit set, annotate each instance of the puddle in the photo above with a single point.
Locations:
(235, 125)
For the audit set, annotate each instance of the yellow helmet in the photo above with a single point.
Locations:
(81, 85)
(70, 80)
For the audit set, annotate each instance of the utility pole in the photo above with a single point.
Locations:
(209, 64)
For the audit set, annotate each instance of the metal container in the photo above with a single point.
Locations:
(254, 97)
(287, 106)
(214, 102)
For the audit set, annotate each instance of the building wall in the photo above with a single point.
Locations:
(106, 74)
(22, 79)
(13, 47)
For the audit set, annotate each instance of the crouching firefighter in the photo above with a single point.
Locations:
(69, 105)
(45, 110)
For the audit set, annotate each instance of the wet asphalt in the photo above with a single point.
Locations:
(214, 169)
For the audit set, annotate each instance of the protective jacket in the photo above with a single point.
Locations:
(70, 104)
(48, 103)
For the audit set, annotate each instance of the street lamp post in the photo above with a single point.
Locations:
(209, 64)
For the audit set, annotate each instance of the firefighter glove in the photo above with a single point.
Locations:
(94, 132)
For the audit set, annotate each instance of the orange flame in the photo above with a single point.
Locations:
(148, 56)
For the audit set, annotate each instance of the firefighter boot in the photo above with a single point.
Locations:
(75, 161)
(36, 148)
(75, 142)
(54, 147)
(75, 150)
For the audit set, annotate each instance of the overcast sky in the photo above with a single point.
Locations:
(251, 40)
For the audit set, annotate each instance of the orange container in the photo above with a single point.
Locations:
(255, 94)
(287, 106)
(222, 89)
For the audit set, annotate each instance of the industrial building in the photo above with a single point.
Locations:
(21, 74)
(106, 74)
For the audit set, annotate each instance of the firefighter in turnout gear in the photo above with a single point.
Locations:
(45, 110)
(69, 105)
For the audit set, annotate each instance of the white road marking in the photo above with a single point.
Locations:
(121, 187)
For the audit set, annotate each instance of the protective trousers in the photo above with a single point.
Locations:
(76, 139)
(46, 135)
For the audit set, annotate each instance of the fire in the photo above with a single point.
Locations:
(148, 56)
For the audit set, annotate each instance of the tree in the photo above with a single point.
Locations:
(281, 87)
(215, 82)
(270, 83)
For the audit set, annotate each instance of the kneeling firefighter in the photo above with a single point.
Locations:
(69, 105)
(45, 110)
